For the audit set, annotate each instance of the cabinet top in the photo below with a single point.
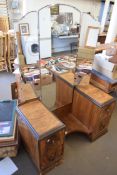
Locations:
(95, 94)
(68, 78)
(39, 118)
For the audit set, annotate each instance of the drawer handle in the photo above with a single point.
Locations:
(51, 149)
(50, 141)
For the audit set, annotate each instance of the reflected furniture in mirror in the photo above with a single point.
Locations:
(92, 36)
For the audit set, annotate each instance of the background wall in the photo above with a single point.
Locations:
(92, 6)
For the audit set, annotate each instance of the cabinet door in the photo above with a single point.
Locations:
(51, 150)
(103, 120)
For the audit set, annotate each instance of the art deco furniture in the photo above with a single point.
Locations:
(84, 109)
(42, 134)
(93, 108)
(3, 46)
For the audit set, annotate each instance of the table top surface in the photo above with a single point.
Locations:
(68, 78)
(95, 94)
(40, 118)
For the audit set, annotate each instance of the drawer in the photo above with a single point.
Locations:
(51, 150)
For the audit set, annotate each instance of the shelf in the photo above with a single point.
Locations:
(71, 122)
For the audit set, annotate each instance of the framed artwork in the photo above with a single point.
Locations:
(92, 36)
(24, 29)
(54, 10)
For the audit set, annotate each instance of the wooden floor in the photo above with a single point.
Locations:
(81, 157)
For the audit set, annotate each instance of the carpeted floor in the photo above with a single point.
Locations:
(81, 156)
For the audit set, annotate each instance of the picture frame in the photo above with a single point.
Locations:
(54, 10)
(92, 36)
(24, 29)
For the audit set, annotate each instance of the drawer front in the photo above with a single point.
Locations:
(51, 150)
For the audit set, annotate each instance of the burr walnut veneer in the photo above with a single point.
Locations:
(84, 108)
(42, 134)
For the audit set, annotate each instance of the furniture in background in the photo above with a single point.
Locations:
(19, 44)
(73, 45)
(102, 38)
(9, 136)
(103, 82)
(4, 24)
(62, 43)
(84, 52)
(11, 51)
(3, 47)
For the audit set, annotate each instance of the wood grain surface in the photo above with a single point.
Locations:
(95, 94)
(39, 117)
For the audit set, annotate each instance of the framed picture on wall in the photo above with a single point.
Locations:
(24, 29)
(54, 10)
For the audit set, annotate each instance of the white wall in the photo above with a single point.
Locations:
(92, 6)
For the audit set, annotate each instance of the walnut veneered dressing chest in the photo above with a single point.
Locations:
(42, 134)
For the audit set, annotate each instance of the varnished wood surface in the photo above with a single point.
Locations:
(25, 92)
(83, 109)
(40, 118)
(105, 85)
(68, 78)
(95, 94)
(64, 93)
(72, 123)
(29, 141)
(42, 134)
(93, 116)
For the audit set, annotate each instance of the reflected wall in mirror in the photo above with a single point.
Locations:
(92, 36)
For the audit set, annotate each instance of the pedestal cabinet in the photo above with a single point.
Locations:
(103, 82)
(93, 108)
(42, 134)
(83, 108)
